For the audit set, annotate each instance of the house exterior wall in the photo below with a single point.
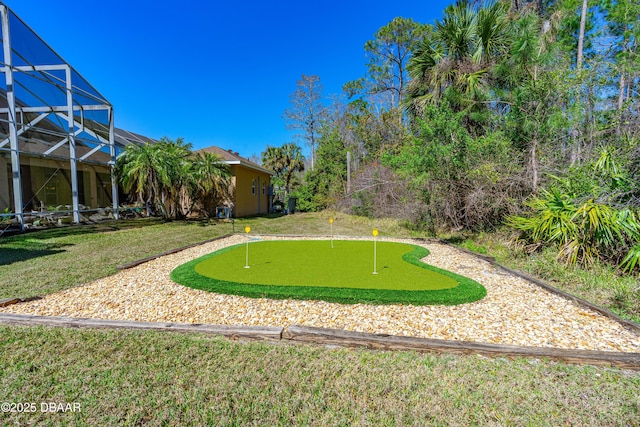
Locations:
(95, 186)
(41, 188)
(5, 201)
(250, 200)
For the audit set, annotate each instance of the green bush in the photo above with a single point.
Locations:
(582, 233)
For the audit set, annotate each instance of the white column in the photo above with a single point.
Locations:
(72, 149)
(13, 129)
(112, 152)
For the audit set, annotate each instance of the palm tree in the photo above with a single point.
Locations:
(210, 180)
(174, 169)
(158, 174)
(525, 89)
(137, 172)
(285, 161)
(457, 60)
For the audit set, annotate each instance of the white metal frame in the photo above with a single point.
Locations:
(65, 111)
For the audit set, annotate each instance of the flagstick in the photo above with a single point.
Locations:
(246, 264)
(247, 230)
(375, 270)
(331, 223)
(332, 234)
(375, 254)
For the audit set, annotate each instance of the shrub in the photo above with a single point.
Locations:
(582, 233)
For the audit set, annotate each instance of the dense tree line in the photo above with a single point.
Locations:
(517, 112)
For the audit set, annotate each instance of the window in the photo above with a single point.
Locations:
(253, 187)
(264, 189)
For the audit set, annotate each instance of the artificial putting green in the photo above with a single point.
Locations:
(313, 269)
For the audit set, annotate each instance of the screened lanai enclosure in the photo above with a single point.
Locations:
(58, 144)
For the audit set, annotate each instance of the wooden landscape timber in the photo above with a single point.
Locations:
(233, 332)
(172, 251)
(390, 342)
(9, 301)
(322, 336)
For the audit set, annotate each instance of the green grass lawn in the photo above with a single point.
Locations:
(41, 262)
(314, 269)
(130, 378)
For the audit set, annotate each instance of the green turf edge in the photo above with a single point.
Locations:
(468, 290)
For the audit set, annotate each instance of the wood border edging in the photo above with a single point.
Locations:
(9, 301)
(338, 337)
(344, 338)
(172, 251)
(236, 332)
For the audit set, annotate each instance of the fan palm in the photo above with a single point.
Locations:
(138, 174)
(158, 174)
(284, 161)
(582, 233)
(458, 58)
(210, 179)
(174, 168)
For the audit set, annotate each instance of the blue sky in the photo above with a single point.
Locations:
(213, 72)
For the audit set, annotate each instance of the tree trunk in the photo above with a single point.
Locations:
(621, 87)
(534, 163)
(583, 22)
(575, 148)
(313, 151)
(348, 172)
(590, 122)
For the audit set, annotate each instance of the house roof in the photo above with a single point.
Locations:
(125, 137)
(233, 158)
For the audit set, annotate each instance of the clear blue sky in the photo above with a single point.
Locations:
(213, 72)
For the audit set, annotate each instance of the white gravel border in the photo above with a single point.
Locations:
(515, 311)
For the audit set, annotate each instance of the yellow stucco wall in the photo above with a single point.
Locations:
(96, 190)
(247, 201)
(5, 201)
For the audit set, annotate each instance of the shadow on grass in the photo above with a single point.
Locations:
(57, 232)
(81, 229)
(263, 216)
(11, 255)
